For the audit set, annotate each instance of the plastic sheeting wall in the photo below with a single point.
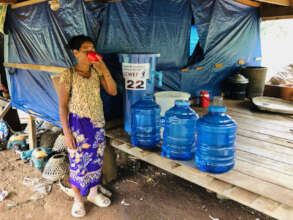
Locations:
(228, 31)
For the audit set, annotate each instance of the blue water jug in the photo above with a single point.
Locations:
(145, 122)
(179, 135)
(215, 141)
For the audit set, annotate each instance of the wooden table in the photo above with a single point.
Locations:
(263, 174)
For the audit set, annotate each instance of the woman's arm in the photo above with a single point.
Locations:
(63, 111)
(106, 79)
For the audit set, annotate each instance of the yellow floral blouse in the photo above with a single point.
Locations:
(85, 99)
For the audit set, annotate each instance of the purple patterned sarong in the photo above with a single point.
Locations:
(86, 162)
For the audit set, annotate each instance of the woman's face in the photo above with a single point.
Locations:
(81, 54)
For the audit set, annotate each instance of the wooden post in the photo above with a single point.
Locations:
(32, 132)
(5, 110)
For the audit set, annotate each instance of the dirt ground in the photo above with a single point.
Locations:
(147, 192)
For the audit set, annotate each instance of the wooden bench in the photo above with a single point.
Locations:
(263, 174)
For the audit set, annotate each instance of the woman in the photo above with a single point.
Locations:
(82, 120)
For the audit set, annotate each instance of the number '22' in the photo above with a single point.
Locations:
(131, 84)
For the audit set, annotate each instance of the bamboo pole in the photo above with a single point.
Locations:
(249, 3)
(32, 133)
(104, 1)
(27, 3)
(33, 2)
(52, 69)
(5, 111)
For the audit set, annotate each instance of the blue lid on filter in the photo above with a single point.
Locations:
(217, 109)
(182, 102)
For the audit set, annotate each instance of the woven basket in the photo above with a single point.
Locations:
(59, 145)
(56, 168)
(48, 138)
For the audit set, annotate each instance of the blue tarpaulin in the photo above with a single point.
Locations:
(228, 31)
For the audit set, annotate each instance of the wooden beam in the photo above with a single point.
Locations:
(32, 132)
(5, 110)
(27, 3)
(51, 69)
(273, 12)
(104, 1)
(211, 182)
(277, 2)
(8, 1)
(249, 3)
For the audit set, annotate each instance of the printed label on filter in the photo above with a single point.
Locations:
(135, 75)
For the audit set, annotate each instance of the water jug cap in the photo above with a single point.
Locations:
(182, 102)
(217, 109)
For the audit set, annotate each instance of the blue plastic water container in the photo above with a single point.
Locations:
(215, 148)
(145, 122)
(179, 137)
(134, 95)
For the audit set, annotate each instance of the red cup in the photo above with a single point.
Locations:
(93, 56)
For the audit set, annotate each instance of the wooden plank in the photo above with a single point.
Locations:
(8, 1)
(273, 12)
(32, 133)
(256, 118)
(265, 162)
(263, 137)
(5, 111)
(274, 124)
(104, 1)
(284, 133)
(52, 69)
(262, 204)
(276, 119)
(34, 113)
(258, 186)
(265, 174)
(269, 120)
(27, 3)
(265, 149)
(249, 143)
(120, 133)
(249, 3)
(277, 2)
(255, 201)
(261, 149)
(234, 177)
(277, 17)
(259, 127)
(264, 128)
(284, 212)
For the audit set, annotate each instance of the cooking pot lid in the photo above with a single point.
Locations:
(238, 78)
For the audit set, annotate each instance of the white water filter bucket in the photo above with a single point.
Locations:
(166, 99)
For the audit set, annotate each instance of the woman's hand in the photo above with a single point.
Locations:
(106, 79)
(70, 141)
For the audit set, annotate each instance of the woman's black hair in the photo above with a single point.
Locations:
(76, 41)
